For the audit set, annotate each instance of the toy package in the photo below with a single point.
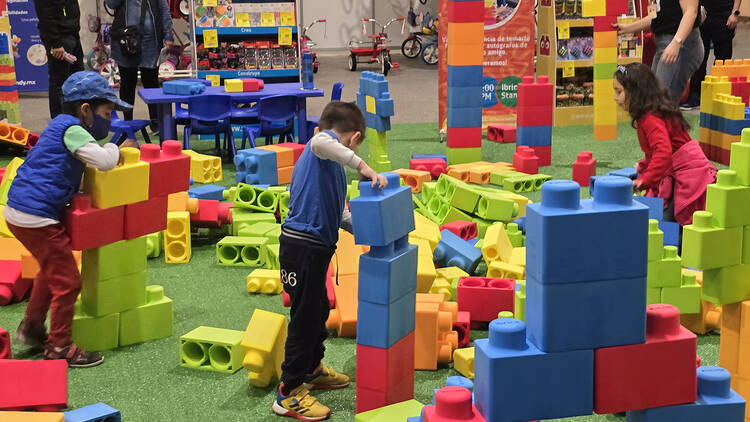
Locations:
(220, 16)
(580, 48)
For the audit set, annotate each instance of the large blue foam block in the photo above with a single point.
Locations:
(716, 402)
(93, 413)
(515, 381)
(464, 75)
(534, 136)
(671, 231)
(256, 167)
(588, 315)
(628, 172)
(384, 279)
(465, 96)
(569, 240)
(380, 325)
(655, 206)
(182, 88)
(440, 156)
(382, 216)
(373, 84)
(379, 123)
(453, 251)
(459, 117)
(207, 192)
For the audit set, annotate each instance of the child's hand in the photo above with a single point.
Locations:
(368, 173)
(638, 186)
(129, 143)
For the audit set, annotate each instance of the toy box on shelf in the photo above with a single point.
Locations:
(565, 53)
(246, 39)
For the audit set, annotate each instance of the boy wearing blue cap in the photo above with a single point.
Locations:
(44, 185)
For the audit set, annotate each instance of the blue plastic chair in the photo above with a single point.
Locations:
(126, 129)
(182, 117)
(312, 121)
(209, 115)
(276, 115)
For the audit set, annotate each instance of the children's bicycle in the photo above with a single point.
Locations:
(99, 59)
(306, 43)
(175, 61)
(378, 52)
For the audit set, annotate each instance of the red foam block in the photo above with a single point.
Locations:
(525, 160)
(659, 372)
(452, 404)
(34, 385)
(295, 147)
(535, 94)
(542, 115)
(464, 229)
(466, 11)
(4, 344)
(584, 167)
(485, 297)
(13, 288)
(464, 137)
(211, 213)
(32, 139)
(501, 133)
(385, 376)
(741, 88)
(462, 327)
(145, 217)
(604, 23)
(252, 84)
(544, 153)
(91, 227)
(617, 7)
(169, 168)
(436, 166)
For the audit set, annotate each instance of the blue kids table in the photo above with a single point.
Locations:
(163, 102)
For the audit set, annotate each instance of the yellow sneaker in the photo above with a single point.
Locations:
(299, 404)
(325, 378)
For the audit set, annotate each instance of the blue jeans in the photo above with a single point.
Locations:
(674, 76)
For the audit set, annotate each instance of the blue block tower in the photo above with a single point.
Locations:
(376, 104)
(387, 292)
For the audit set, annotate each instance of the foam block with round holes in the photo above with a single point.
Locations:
(34, 384)
(659, 372)
(497, 244)
(264, 341)
(169, 168)
(125, 184)
(255, 198)
(212, 349)
(98, 412)
(177, 247)
(454, 251)
(242, 251)
(264, 281)
(142, 218)
(452, 403)
(414, 178)
(434, 337)
(435, 166)
(204, 168)
(462, 327)
(485, 297)
(464, 229)
(150, 321)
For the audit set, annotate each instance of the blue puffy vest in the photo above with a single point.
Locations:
(46, 182)
(316, 196)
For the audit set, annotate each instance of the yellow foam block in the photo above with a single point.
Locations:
(346, 259)
(426, 273)
(518, 257)
(414, 178)
(4, 230)
(180, 201)
(8, 176)
(204, 168)
(605, 39)
(442, 287)
(177, 237)
(426, 229)
(465, 33)
(11, 249)
(463, 362)
(704, 134)
(466, 54)
(264, 340)
(449, 273)
(605, 55)
(125, 184)
(233, 85)
(605, 132)
(499, 269)
(710, 87)
(731, 107)
(262, 280)
(370, 104)
(32, 417)
(496, 244)
(605, 113)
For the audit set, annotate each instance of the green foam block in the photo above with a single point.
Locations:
(242, 251)
(653, 295)
(394, 412)
(113, 295)
(687, 297)
(242, 218)
(428, 190)
(482, 225)
(727, 285)
(255, 198)
(114, 260)
(457, 193)
(463, 155)
(746, 245)
(493, 206)
(517, 239)
(212, 349)
(727, 201)
(150, 321)
(153, 244)
(706, 247)
(267, 229)
(665, 272)
(95, 333)
(655, 241)
(739, 159)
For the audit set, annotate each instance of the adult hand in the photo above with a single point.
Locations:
(168, 44)
(58, 53)
(732, 21)
(622, 28)
(670, 53)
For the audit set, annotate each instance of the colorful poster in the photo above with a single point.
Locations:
(509, 45)
(28, 51)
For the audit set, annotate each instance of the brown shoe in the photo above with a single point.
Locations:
(32, 334)
(76, 356)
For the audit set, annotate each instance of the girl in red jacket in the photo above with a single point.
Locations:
(675, 168)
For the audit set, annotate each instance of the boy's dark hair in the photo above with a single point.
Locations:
(73, 107)
(646, 95)
(342, 117)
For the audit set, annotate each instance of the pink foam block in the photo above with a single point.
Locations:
(584, 167)
(501, 133)
(436, 166)
(211, 213)
(91, 227)
(464, 229)
(169, 168)
(40, 385)
(4, 344)
(145, 217)
(13, 288)
(525, 160)
(252, 84)
(485, 297)
(452, 404)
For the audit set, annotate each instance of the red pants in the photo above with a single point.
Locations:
(58, 282)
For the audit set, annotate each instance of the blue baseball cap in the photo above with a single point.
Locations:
(87, 85)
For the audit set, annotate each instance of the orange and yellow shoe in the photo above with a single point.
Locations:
(299, 404)
(325, 378)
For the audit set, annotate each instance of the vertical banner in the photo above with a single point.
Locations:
(28, 51)
(509, 45)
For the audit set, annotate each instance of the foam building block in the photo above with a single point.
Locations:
(211, 213)
(181, 201)
(153, 244)
(393, 412)
(464, 229)
(433, 335)
(716, 402)
(707, 247)
(655, 206)
(93, 413)
(484, 297)
(142, 218)
(40, 385)
(169, 168)
(177, 237)
(343, 318)
(497, 244)
(214, 192)
(532, 384)
(463, 361)
(204, 168)
(32, 417)
(264, 281)
(501, 133)
(114, 260)
(242, 251)
(13, 288)
(525, 160)
(4, 344)
(659, 372)
(378, 215)
(726, 285)
(214, 349)
(264, 341)
(150, 321)
(435, 166)
(256, 166)
(91, 227)
(95, 333)
(182, 87)
(452, 403)
(8, 175)
(102, 297)
(255, 198)
(452, 251)
(385, 374)
(584, 167)
(722, 199)
(125, 184)
(426, 229)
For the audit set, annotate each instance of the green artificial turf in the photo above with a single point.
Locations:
(145, 381)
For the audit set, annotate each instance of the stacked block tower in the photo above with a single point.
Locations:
(536, 108)
(465, 66)
(109, 222)
(605, 63)
(724, 112)
(8, 89)
(375, 101)
(383, 219)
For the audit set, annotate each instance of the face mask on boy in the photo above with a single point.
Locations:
(99, 129)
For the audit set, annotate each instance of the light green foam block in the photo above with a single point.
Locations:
(519, 305)
(739, 159)
(242, 218)
(687, 297)
(727, 201)
(727, 285)
(114, 260)
(653, 295)
(394, 412)
(212, 349)
(243, 251)
(463, 155)
(706, 247)
(655, 241)
(95, 333)
(113, 295)
(150, 321)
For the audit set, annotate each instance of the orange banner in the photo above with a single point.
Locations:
(508, 55)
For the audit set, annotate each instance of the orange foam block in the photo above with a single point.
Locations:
(434, 339)
(343, 318)
(414, 178)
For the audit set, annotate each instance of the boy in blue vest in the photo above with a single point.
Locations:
(44, 185)
(307, 243)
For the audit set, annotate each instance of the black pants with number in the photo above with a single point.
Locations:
(714, 31)
(128, 82)
(303, 273)
(60, 70)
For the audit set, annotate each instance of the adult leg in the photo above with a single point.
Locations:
(150, 79)
(674, 76)
(700, 73)
(722, 37)
(128, 81)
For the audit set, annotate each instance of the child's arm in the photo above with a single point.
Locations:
(657, 135)
(327, 148)
(84, 147)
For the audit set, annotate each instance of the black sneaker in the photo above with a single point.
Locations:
(76, 357)
(32, 334)
(689, 106)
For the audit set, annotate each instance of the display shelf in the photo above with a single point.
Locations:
(590, 63)
(250, 73)
(578, 23)
(249, 30)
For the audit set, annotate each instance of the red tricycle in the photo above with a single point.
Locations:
(377, 52)
(306, 43)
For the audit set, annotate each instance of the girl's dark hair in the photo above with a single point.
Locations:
(342, 117)
(646, 95)
(73, 107)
